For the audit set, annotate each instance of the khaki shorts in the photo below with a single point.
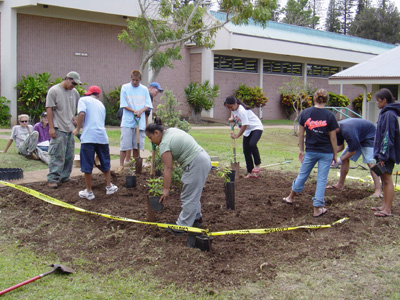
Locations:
(128, 139)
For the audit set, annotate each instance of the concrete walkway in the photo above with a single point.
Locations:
(41, 175)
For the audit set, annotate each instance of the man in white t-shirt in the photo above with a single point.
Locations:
(94, 140)
(135, 100)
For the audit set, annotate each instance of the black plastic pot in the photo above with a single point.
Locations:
(154, 204)
(230, 195)
(379, 170)
(11, 173)
(231, 175)
(204, 242)
(130, 181)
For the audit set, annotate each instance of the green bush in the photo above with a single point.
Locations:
(170, 116)
(251, 96)
(33, 91)
(111, 103)
(4, 112)
(289, 101)
(358, 102)
(201, 95)
(336, 100)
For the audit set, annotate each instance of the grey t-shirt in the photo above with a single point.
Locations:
(64, 103)
(19, 134)
(182, 146)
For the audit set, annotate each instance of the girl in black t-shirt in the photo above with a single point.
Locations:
(319, 127)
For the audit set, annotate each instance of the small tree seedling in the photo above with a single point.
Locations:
(155, 186)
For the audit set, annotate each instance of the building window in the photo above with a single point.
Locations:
(321, 71)
(282, 67)
(238, 64)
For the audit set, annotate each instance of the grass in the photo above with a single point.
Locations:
(370, 273)
(277, 145)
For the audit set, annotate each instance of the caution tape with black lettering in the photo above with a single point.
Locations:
(57, 202)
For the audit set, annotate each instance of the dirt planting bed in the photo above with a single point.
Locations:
(234, 259)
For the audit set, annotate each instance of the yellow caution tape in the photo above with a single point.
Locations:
(57, 202)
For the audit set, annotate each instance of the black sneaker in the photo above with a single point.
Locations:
(175, 232)
(198, 223)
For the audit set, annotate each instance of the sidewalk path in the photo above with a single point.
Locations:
(41, 175)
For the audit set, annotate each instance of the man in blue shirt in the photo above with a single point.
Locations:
(359, 135)
(135, 100)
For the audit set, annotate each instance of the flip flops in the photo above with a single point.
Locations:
(375, 208)
(382, 214)
(324, 211)
(284, 200)
(256, 170)
(251, 175)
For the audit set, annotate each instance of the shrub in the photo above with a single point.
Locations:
(170, 116)
(358, 102)
(4, 112)
(292, 103)
(111, 103)
(336, 100)
(33, 91)
(251, 96)
(201, 95)
(32, 94)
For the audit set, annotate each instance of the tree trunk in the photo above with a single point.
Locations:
(196, 117)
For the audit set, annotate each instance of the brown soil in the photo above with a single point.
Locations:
(109, 245)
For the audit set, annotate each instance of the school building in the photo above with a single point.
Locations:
(62, 36)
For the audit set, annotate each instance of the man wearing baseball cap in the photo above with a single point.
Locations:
(94, 140)
(61, 102)
(154, 90)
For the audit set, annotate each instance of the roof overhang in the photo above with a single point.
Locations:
(361, 80)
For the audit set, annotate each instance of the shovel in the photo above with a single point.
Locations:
(60, 268)
(138, 160)
(235, 165)
(153, 156)
(277, 164)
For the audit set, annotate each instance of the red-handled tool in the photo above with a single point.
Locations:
(60, 268)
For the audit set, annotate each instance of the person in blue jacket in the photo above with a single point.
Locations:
(359, 135)
(387, 146)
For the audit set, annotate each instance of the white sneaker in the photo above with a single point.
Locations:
(87, 195)
(127, 163)
(111, 189)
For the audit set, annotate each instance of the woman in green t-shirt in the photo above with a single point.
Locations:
(175, 144)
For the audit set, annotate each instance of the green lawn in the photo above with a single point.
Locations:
(343, 278)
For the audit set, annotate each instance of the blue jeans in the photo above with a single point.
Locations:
(310, 160)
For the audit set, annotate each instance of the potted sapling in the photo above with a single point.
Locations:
(229, 176)
(155, 192)
(130, 178)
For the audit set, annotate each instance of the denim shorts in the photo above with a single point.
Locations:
(88, 150)
(367, 154)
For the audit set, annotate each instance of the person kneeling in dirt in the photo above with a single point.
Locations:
(26, 140)
(175, 144)
(359, 135)
(94, 140)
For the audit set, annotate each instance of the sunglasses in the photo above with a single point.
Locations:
(24, 121)
(73, 82)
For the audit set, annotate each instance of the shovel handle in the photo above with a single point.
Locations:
(20, 284)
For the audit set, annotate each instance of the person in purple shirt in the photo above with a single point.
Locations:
(43, 128)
